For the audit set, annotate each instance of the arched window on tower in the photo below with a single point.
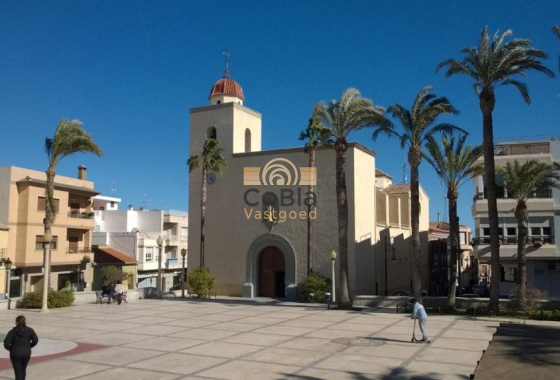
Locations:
(211, 133)
(247, 140)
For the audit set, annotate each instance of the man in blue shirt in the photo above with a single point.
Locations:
(418, 312)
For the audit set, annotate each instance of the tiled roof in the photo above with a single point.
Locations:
(380, 173)
(227, 86)
(107, 255)
(400, 188)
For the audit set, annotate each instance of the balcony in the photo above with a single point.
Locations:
(78, 250)
(172, 263)
(171, 240)
(512, 240)
(521, 149)
(80, 214)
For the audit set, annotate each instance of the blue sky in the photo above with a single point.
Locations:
(131, 70)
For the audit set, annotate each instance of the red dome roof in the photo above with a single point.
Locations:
(227, 86)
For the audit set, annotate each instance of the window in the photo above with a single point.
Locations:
(509, 274)
(148, 253)
(511, 231)
(535, 231)
(462, 238)
(184, 233)
(211, 133)
(39, 242)
(247, 140)
(547, 231)
(486, 231)
(41, 204)
(483, 270)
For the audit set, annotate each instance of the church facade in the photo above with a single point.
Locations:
(256, 210)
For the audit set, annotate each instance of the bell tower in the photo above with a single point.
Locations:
(236, 127)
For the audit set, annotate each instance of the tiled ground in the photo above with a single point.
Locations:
(186, 339)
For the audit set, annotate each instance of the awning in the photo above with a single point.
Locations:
(107, 255)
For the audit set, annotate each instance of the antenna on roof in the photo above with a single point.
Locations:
(226, 69)
(404, 166)
(114, 188)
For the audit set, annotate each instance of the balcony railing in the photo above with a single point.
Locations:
(508, 240)
(543, 194)
(170, 263)
(522, 148)
(78, 250)
(81, 214)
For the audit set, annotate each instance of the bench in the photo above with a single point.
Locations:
(100, 297)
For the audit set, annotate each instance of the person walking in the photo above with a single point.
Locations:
(418, 312)
(19, 342)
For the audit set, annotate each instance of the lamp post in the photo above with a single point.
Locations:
(159, 242)
(183, 253)
(47, 239)
(333, 258)
(8, 265)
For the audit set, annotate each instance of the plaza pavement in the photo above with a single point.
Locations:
(232, 339)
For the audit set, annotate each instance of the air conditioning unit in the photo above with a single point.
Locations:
(553, 266)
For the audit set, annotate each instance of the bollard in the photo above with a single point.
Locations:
(328, 295)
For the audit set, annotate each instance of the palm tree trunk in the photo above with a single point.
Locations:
(487, 101)
(310, 208)
(344, 300)
(414, 161)
(49, 217)
(454, 243)
(202, 213)
(521, 216)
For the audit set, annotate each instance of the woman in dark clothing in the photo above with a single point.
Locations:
(19, 342)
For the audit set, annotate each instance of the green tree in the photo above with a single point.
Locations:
(211, 160)
(69, 138)
(418, 124)
(112, 274)
(350, 113)
(315, 135)
(522, 180)
(454, 164)
(494, 63)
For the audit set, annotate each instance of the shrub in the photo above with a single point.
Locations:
(112, 274)
(201, 281)
(545, 315)
(317, 284)
(55, 299)
(532, 298)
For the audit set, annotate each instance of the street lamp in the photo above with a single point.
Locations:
(8, 265)
(333, 258)
(47, 239)
(159, 242)
(183, 253)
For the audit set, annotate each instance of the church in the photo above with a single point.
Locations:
(256, 210)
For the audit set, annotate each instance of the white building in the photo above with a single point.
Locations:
(543, 249)
(135, 233)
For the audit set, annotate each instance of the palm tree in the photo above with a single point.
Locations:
(350, 113)
(211, 161)
(454, 164)
(69, 138)
(315, 135)
(521, 182)
(556, 31)
(493, 64)
(418, 125)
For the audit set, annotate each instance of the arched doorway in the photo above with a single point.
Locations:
(272, 273)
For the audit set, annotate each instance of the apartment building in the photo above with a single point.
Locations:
(543, 256)
(22, 210)
(135, 233)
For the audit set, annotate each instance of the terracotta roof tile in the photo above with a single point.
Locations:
(227, 86)
(107, 255)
